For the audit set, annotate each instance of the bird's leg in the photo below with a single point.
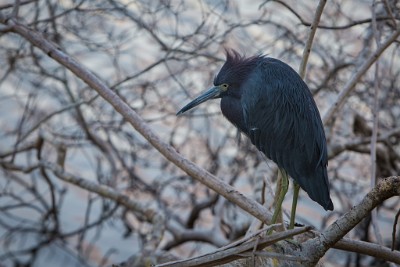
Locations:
(296, 189)
(282, 192)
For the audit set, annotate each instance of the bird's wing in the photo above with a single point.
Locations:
(284, 123)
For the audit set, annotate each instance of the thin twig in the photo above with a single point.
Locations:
(332, 27)
(20, 3)
(375, 123)
(313, 29)
(396, 218)
(14, 13)
(102, 190)
(389, 11)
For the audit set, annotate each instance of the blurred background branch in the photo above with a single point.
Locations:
(72, 163)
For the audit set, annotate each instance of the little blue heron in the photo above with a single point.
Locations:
(269, 102)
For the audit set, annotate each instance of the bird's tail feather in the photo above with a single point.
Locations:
(317, 187)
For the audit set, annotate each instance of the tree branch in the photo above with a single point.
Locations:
(201, 175)
(369, 249)
(313, 30)
(234, 251)
(350, 85)
(317, 247)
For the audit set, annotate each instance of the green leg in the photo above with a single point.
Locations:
(296, 190)
(282, 193)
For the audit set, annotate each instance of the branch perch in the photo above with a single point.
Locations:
(317, 247)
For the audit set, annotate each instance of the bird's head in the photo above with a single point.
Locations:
(229, 79)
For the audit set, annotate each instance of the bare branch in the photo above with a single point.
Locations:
(137, 122)
(229, 253)
(342, 96)
(313, 30)
(317, 247)
(369, 249)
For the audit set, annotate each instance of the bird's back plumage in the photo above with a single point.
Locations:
(282, 120)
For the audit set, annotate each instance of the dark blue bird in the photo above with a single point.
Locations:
(269, 102)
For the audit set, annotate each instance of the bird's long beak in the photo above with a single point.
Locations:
(213, 92)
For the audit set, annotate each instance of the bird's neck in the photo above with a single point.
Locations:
(232, 110)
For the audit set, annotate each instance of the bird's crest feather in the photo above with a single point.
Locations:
(236, 68)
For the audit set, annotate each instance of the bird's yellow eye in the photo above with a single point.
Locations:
(224, 86)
